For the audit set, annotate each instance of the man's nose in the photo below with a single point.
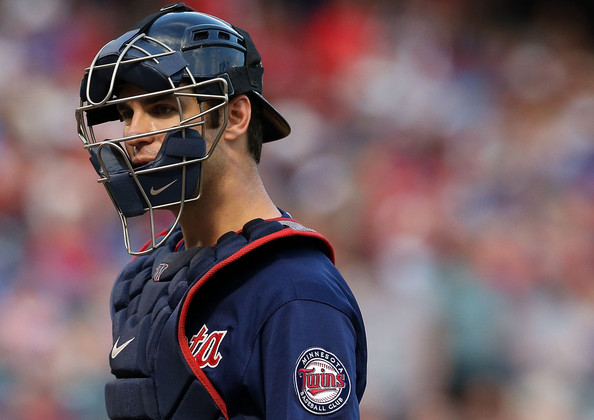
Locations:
(139, 123)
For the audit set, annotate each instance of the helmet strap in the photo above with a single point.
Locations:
(243, 79)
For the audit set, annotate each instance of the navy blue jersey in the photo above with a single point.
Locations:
(263, 320)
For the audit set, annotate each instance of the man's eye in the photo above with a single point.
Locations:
(164, 110)
(125, 115)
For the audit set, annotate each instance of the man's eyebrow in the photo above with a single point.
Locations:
(151, 99)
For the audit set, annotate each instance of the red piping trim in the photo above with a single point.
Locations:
(179, 244)
(146, 245)
(183, 343)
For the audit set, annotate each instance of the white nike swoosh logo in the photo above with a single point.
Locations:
(118, 349)
(160, 190)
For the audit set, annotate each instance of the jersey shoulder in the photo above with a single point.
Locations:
(292, 267)
(295, 269)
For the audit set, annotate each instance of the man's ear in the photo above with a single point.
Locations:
(240, 112)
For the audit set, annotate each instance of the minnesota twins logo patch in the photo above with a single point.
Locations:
(321, 381)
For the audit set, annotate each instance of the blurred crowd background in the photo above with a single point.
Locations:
(446, 148)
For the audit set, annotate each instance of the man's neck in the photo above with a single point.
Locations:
(204, 221)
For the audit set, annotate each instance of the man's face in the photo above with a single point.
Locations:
(144, 115)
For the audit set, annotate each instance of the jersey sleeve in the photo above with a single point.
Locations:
(305, 362)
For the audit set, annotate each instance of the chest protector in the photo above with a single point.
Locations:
(151, 359)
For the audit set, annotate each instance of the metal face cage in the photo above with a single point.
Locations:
(173, 177)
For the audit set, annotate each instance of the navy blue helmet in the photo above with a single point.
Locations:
(178, 52)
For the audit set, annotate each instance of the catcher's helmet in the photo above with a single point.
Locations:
(179, 52)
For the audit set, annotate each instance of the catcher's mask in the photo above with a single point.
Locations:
(177, 52)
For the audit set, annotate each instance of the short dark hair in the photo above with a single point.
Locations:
(254, 131)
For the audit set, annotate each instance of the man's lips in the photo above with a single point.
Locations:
(137, 162)
(144, 155)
